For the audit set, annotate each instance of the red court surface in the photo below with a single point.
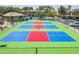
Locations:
(38, 23)
(38, 26)
(38, 37)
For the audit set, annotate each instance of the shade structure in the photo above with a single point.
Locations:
(11, 14)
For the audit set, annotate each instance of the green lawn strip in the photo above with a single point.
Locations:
(40, 44)
(28, 29)
(58, 51)
(39, 51)
(17, 50)
(9, 30)
(37, 29)
(31, 20)
(34, 29)
(38, 21)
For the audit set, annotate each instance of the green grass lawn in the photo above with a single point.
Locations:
(43, 47)
(59, 50)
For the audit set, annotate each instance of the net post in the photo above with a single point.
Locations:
(36, 50)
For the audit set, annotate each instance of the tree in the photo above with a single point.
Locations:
(4, 9)
(26, 10)
(76, 12)
(41, 8)
(69, 9)
(62, 10)
(17, 9)
(45, 11)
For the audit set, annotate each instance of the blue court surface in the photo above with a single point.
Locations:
(22, 37)
(60, 37)
(16, 37)
(50, 26)
(29, 23)
(26, 26)
(47, 23)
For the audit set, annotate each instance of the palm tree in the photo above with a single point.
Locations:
(62, 10)
(69, 9)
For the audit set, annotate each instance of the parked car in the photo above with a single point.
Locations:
(74, 24)
(26, 18)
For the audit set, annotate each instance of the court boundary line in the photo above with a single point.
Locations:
(27, 37)
(48, 36)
